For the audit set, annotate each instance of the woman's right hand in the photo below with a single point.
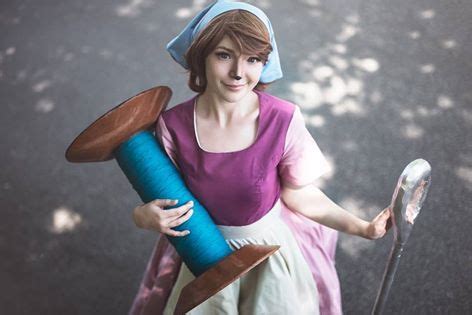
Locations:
(152, 216)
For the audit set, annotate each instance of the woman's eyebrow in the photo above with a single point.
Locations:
(225, 48)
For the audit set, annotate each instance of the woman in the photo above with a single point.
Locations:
(247, 156)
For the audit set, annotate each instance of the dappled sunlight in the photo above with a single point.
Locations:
(44, 105)
(348, 105)
(41, 86)
(133, 8)
(339, 62)
(65, 55)
(465, 173)
(314, 3)
(444, 102)
(334, 80)
(427, 68)
(313, 7)
(412, 131)
(407, 114)
(347, 32)
(197, 5)
(427, 14)
(376, 97)
(322, 73)
(424, 111)
(335, 91)
(414, 34)
(367, 64)
(349, 146)
(189, 12)
(331, 90)
(263, 4)
(316, 121)
(339, 48)
(449, 43)
(10, 51)
(354, 246)
(307, 95)
(64, 220)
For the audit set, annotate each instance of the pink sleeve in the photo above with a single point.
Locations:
(302, 162)
(165, 139)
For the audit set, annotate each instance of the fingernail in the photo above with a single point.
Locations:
(187, 233)
(190, 202)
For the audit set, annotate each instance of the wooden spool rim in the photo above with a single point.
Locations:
(140, 112)
(221, 275)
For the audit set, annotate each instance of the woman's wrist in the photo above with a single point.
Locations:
(136, 217)
(363, 229)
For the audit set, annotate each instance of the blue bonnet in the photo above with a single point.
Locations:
(178, 46)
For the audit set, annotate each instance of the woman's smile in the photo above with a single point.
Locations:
(234, 87)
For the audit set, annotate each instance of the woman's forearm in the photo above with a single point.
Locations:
(314, 204)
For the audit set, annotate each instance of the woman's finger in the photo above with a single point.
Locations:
(162, 203)
(174, 233)
(178, 212)
(181, 219)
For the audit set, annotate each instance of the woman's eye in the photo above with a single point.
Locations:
(254, 59)
(223, 55)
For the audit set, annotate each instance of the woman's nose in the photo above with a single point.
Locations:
(237, 70)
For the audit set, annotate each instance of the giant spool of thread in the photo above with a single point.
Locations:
(124, 133)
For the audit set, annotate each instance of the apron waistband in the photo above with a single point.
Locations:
(269, 219)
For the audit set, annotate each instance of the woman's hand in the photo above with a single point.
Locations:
(152, 216)
(379, 225)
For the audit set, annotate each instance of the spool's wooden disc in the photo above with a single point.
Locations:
(102, 137)
(224, 273)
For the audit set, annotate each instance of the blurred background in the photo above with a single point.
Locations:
(380, 83)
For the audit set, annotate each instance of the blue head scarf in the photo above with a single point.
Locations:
(178, 46)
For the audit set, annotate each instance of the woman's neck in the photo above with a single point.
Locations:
(209, 106)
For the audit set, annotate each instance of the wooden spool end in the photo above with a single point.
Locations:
(224, 273)
(103, 136)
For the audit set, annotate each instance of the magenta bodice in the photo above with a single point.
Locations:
(237, 188)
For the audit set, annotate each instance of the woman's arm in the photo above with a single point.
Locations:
(313, 203)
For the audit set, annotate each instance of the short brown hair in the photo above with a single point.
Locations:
(244, 28)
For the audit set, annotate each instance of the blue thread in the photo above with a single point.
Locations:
(153, 176)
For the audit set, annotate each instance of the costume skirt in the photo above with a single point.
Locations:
(283, 284)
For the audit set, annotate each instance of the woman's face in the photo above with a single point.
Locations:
(231, 75)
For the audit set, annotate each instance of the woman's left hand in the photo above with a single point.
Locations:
(379, 225)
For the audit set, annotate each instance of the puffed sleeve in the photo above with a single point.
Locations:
(165, 139)
(302, 161)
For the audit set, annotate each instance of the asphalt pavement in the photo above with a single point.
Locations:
(380, 83)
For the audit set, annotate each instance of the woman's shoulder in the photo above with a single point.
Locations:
(277, 104)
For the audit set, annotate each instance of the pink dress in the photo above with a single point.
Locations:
(281, 139)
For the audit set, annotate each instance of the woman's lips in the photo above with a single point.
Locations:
(234, 87)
